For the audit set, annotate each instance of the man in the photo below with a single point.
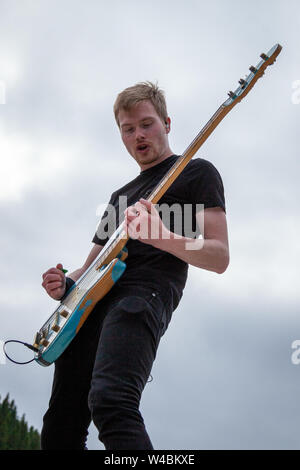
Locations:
(103, 372)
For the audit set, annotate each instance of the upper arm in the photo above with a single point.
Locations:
(213, 225)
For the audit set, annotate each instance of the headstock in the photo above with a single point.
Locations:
(256, 72)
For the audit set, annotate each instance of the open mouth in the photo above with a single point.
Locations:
(142, 147)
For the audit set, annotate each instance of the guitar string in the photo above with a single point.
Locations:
(90, 276)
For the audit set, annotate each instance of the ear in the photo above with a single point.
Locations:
(168, 125)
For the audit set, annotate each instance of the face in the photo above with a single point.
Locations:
(144, 134)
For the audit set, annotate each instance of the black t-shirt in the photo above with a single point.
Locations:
(198, 184)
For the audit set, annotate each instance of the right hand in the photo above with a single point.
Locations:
(54, 282)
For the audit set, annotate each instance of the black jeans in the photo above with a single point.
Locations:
(102, 373)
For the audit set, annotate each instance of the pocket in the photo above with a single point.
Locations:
(159, 304)
(148, 299)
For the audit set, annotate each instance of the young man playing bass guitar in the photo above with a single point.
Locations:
(102, 373)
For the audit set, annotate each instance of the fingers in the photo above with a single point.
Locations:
(131, 212)
(149, 206)
(142, 221)
(144, 205)
(141, 206)
(131, 215)
(54, 281)
(137, 220)
(57, 270)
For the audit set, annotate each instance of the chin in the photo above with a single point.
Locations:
(145, 160)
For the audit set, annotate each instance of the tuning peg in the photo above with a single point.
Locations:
(264, 56)
(252, 69)
(232, 95)
(242, 82)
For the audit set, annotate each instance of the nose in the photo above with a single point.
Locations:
(139, 133)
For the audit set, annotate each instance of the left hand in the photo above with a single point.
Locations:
(143, 223)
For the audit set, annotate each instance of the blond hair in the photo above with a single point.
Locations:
(133, 95)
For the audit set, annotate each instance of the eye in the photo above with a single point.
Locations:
(128, 130)
(147, 124)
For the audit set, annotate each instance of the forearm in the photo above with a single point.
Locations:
(212, 253)
(207, 254)
(75, 275)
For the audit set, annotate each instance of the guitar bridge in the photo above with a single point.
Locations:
(37, 340)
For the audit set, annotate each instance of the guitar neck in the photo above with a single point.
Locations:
(119, 239)
(187, 155)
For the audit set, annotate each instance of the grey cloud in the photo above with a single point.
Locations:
(223, 376)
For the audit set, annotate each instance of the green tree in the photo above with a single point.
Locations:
(14, 432)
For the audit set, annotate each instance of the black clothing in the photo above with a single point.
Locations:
(102, 373)
(199, 183)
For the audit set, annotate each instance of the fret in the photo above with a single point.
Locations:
(234, 97)
(98, 279)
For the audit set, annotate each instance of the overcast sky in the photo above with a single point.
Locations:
(223, 377)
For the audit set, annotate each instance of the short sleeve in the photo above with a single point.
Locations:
(206, 186)
(107, 224)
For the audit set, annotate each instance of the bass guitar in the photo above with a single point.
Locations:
(63, 325)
